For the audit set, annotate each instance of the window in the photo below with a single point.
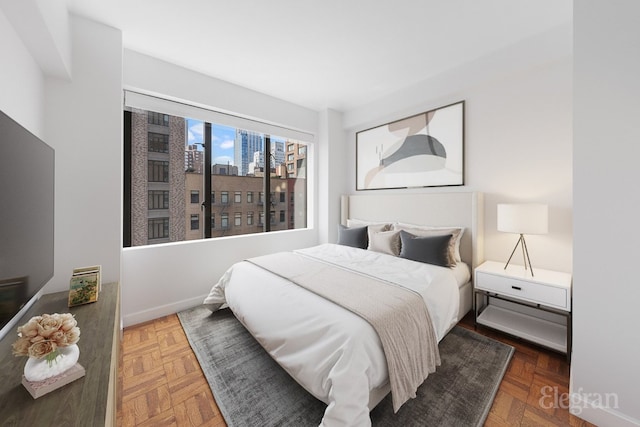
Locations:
(302, 150)
(176, 161)
(158, 142)
(158, 118)
(158, 228)
(195, 221)
(158, 171)
(158, 199)
(282, 216)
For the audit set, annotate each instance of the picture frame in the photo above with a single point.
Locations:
(85, 285)
(423, 150)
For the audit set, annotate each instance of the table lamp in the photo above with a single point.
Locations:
(527, 218)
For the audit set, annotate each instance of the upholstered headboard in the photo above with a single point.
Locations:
(463, 209)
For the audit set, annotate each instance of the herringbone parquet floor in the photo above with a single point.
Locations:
(162, 383)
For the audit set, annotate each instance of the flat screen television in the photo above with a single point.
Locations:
(26, 219)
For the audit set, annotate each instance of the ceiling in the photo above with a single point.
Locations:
(338, 54)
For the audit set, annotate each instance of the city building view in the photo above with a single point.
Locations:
(168, 173)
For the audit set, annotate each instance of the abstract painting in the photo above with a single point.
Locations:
(425, 150)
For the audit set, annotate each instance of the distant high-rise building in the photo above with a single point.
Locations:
(193, 159)
(246, 143)
(277, 153)
(158, 177)
(296, 160)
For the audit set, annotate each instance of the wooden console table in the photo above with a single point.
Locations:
(88, 401)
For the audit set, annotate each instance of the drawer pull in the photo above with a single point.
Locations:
(517, 288)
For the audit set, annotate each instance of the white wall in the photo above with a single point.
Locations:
(80, 119)
(332, 173)
(162, 279)
(83, 123)
(606, 211)
(21, 82)
(518, 137)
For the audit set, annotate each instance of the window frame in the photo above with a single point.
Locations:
(161, 172)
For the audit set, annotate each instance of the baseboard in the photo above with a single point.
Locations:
(163, 310)
(598, 414)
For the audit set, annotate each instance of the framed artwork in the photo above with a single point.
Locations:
(425, 150)
(84, 285)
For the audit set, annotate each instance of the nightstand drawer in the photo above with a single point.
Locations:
(529, 291)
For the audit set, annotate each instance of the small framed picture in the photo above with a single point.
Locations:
(84, 285)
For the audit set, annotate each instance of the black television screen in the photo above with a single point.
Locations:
(26, 217)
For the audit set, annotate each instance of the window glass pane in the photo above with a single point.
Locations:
(158, 228)
(158, 142)
(195, 221)
(166, 178)
(158, 199)
(237, 198)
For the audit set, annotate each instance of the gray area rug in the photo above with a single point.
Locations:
(251, 389)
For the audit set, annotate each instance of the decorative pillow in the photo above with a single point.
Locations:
(387, 242)
(425, 231)
(430, 250)
(356, 236)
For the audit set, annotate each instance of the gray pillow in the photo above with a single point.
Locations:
(431, 250)
(356, 236)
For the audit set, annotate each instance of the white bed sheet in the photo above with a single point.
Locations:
(333, 353)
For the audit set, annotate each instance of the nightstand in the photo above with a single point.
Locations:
(536, 308)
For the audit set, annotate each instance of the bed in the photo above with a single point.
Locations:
(336, 355)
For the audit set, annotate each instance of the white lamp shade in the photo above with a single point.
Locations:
(530, 218)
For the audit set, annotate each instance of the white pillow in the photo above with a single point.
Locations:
(428, 230)
(386, 242)
(377, 225)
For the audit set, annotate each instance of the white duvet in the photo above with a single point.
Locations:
(333, 353)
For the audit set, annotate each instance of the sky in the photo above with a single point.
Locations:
(223, 140)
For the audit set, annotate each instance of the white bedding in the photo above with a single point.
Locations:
(333, 353)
